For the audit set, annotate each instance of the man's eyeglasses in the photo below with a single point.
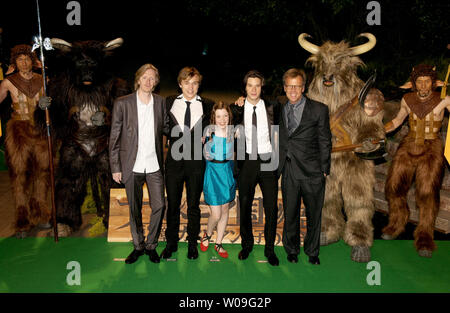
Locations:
(296, 87)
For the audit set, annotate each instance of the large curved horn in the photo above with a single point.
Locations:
(113, 44)
(357, 50)
(61, 44)
(306, 44)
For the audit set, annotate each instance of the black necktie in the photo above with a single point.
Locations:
(187, 116)
(254, 134)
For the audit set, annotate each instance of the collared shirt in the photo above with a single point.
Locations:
(264, 145)
(146, 158)
(179, 109)
(298, 108)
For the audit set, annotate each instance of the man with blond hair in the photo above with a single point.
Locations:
(305, 158)
(139, 121)
(189, 114)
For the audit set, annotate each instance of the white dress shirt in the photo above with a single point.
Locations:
(179, 109)
(264, 145)
(146, 159)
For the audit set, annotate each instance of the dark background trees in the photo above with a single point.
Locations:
(225, 39)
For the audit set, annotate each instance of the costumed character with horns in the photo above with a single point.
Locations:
(356, 123)
(82, 100)
(420, 156)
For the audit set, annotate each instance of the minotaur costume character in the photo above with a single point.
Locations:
(351, 180)
(420, 156)
(26, 145)
(82, 99)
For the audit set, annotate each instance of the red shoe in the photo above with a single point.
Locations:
(204, 238)
(219, 246)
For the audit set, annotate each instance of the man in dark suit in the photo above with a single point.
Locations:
(257, 116)
(189, 114)
(139, 121)
(305, 157)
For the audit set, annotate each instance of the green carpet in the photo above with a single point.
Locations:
(40, 265)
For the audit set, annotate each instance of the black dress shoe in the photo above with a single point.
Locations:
(244, 253)
(153, 255)
(134, 256)
(273, 259)
(292, 258)
(192, 252)
(314, 260)
(167, 252)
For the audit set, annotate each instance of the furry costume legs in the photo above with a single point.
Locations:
(426, 164)
(27, 159)
(74, 170)
(350, 186)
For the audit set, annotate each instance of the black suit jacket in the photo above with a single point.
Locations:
(123, 141)
(273, 114)
(198, 128)
(310, 144)
(272, 109)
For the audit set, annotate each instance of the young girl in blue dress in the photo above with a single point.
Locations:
(219, 187)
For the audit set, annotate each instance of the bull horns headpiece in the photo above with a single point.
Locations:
(60, 44)
(113, 44)
(66, 46)
(360, 49)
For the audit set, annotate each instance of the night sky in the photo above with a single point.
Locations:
(225, 39)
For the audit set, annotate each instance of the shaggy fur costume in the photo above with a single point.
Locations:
(27, 157)
(27, 160)
(83, 96)
(348, 207)
(421, 159)
(425, 163)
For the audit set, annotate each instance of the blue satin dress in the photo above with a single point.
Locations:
(219, 185)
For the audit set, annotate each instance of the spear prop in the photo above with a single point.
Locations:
(46, 44)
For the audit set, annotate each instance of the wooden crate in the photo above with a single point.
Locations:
(119, 230)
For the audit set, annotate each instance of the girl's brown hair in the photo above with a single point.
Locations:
(219, 106)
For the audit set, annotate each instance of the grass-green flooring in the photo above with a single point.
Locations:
(39, 265)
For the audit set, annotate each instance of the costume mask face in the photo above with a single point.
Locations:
(424, 86)
(24, 63)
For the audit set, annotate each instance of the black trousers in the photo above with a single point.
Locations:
(177, 174)
(250, 175)
(155, 187)
(312, 191)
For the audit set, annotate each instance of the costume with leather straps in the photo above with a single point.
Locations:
(27, 154)
(27, 90)
(420, 156)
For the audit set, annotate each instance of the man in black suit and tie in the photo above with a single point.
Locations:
(257, 117)
(139, 121)
(305, 157)
(189, 115)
